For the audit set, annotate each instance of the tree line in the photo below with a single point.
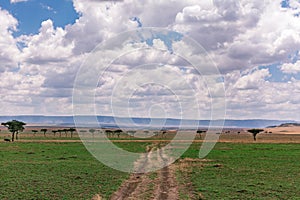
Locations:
(59, 131)
(15, 127)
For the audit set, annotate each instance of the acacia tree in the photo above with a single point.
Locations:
(199, 132)
(132, 133)
(255, 132)
(66, 131)
(108, 133)
(163, 133)
(34, 132)
(54, 132)
(71, 131)
(118, 132)
(92, 131)
(59, 132)
(44, 130)
(14, 127)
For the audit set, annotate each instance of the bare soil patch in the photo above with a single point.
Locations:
(139, 186)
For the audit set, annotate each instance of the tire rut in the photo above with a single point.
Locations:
(138, 186)
(167, 188)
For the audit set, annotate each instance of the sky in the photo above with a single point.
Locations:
(254, 44)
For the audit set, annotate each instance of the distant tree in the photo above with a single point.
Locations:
(255, 132)
(92, 131)
(34, 132)
(54, 132)
(108, 133)
(163, 133)
(66, 131)
(44, 130)
(200, 133)
(131, 133)
(72, 131)
(118, 132)
(60, 131)
(14, 127)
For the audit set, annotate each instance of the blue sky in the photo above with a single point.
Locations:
(254, 43)
(31, 13)
(285, 3)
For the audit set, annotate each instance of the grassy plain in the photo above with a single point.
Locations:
(244, 171)
(39, 170)
(237, 168)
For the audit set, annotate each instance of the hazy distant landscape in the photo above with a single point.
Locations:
(110, 122)
(149, 100)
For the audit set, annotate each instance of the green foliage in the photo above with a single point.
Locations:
(14, 127)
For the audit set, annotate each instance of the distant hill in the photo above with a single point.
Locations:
(110, 122)
(272, 126)
(289, 124)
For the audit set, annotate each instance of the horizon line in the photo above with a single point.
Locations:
(40, 115)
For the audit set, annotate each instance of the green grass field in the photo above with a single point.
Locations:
(36, 170)
(247, 171)
(56, 171)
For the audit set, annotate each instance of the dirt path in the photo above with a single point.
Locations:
(167, 187)
(159, 185)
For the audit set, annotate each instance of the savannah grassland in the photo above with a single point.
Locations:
(237, 168)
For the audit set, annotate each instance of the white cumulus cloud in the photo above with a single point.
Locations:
(240, 36)
(291, 68)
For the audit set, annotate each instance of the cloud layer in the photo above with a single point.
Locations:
(246, 39)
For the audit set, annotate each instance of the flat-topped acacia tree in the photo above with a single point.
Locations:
(255, 132)
(118, 132)
(59, 131)
(34, 132)
(200, 132)
(54, 132)
(44, 130)
(66, 131)
(92, 131)
(71, 131)
(14, 127)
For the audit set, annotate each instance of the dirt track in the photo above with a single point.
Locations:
(138, 185)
